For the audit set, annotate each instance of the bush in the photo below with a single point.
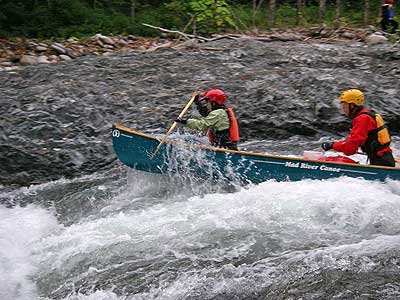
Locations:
(207, 16)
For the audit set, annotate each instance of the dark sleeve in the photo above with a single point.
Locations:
(202, 109)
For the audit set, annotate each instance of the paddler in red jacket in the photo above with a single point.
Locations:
(368, 131)
(217, 119)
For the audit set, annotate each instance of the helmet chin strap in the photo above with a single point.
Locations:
(354, 110)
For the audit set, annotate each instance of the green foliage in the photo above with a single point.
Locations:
(208, 16)
(64, 18)
(286, 15)
(212, 15)
(11, 15)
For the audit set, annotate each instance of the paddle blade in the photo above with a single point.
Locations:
(174, 124)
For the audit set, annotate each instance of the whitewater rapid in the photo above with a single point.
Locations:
(143, 236)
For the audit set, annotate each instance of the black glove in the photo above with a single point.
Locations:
(182, 121)
(327, 145)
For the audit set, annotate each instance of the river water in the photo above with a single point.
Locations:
(126, 234)
(75, 224)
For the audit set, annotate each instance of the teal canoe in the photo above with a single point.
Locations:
(135, 149)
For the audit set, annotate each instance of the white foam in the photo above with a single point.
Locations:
(273, 217)
(20, 229)
(295, 213)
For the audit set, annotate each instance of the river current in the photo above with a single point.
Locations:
(76, 224)
(129, 235)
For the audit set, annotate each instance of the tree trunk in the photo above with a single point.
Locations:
(322, 8)
(299, 6)
(366, 10)
(271, 12)
(337, 18)
(133, 9)
(254, 12)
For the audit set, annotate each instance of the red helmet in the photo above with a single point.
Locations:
(216, 96)
(389, 1)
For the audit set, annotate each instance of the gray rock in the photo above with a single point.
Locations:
(26, 60)
(41, 48)
(6, 63)
(105, 39)
(70, 53)
(58, 48)
(65, 57)
(348, 35)
(376, 39)
(43, 59)
(122, 42)
(100, 43)
(53, 57)
(287, 37)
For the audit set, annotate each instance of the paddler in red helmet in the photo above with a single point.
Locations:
(219, 121)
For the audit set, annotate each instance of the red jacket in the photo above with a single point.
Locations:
(362, 124)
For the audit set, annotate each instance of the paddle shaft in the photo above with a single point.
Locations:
(362, 153)
(183, 112)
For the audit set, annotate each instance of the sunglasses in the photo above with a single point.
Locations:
(204, 99)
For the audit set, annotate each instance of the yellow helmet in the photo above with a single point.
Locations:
(352, 96)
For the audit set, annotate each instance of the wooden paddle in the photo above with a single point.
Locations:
(183, 112)
(362, 153)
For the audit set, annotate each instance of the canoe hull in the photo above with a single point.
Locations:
(134, 149)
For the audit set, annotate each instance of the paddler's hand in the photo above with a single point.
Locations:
(327, 146)
(182, 121)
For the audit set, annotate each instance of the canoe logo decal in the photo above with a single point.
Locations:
(116, 133)
(303, 165)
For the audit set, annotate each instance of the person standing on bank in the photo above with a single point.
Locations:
(219, 121)
(387, 14)
(368, 131)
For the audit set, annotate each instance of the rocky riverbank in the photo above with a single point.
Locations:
(56, 118)
(22, 52)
